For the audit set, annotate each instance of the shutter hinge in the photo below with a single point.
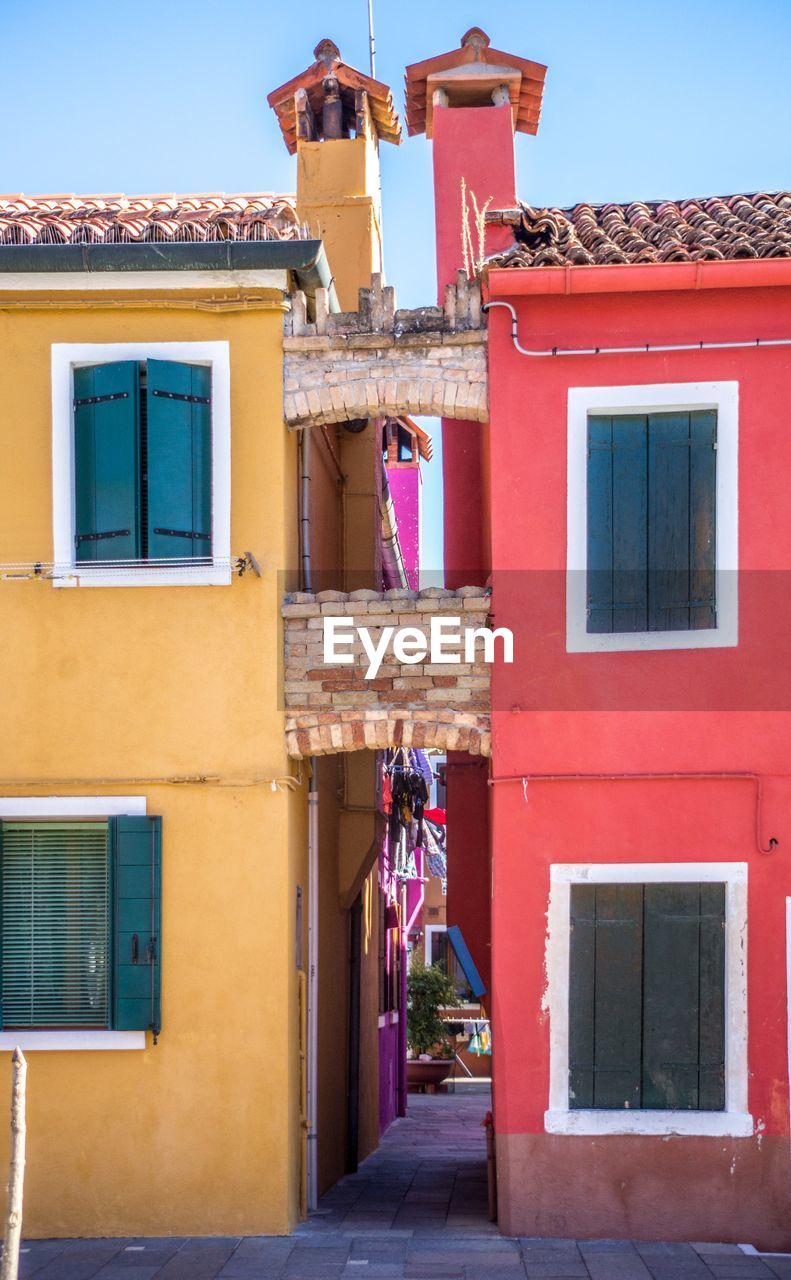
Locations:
(116, 395)
(184, 533)
(95, 537)
(177, 395)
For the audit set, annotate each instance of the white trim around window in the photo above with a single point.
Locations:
(735, 1120)
(654, 398)
(68, 356)
(77, 807)
(428, 938)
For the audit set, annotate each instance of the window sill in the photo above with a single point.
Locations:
(579, 640)
(201, 575)
(59, 1040)
(711, 1124)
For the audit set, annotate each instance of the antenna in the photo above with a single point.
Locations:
(371, 39)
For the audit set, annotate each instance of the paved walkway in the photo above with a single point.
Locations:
(415, 1210)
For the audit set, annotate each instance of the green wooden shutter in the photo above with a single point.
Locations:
(711, 1096)
(669, 523)
(55, 925)
(630, 523)
(683, 1041)
(647, 997)
(106, 462)
(178, 399)
(136, 845)
(600, 560)
(605, 995)
(702, 509)
(582, 985)
(651, 493)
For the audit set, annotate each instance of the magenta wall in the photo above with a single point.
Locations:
(405, 485)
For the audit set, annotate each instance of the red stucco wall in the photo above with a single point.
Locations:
(632, 713)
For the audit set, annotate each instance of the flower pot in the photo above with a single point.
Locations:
(425, 1076)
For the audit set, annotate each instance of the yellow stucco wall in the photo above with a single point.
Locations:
(338, 198)
(199, 1134)
(203, 1133)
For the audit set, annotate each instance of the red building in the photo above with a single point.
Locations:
(629, 501)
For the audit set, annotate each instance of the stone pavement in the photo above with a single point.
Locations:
(415, 1210)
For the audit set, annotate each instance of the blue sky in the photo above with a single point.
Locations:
(683, 97)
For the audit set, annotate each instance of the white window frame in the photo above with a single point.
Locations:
(66, 357)
(735, 1120)
(29, 808)
(654, 398)
(428, 935)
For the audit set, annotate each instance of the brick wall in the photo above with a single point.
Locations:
(334, 708)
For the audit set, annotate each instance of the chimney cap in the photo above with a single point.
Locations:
(328, 61)
(468, 77)
(327, 51)
(477, 37)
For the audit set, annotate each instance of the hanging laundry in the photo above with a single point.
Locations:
(387, 792)
(481, 1039)
(434, 848)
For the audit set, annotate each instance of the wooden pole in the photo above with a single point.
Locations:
(16, 1174)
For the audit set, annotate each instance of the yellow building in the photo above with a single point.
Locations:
(155, 895)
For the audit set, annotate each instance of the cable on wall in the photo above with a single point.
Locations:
(645, 348)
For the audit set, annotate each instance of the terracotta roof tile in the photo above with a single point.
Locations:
(113, 219)
(714, 227)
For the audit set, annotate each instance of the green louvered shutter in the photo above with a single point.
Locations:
(605, 995)
(651, 490)
(684, 1013)
(107, 462)
(647, 997)
(136, 847)
(55, 925)
(178, 399)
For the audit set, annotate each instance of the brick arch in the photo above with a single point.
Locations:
(411, 386)
(334, 708)
(456, 731)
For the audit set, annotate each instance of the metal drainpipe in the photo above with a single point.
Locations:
(313, 854)
(306, 569)
(313, 983)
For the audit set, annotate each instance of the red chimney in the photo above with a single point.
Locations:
(470, 102)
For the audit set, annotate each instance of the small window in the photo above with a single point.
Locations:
(440, 952)
(143, 462)
(647, 997)
(56, 925)
(80, 924)
(651, 521)
(389, 957)
(405, 444)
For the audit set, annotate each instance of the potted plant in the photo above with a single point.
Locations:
(429, 988)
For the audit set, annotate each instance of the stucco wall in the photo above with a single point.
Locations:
(713, 711)
(197, 1134)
